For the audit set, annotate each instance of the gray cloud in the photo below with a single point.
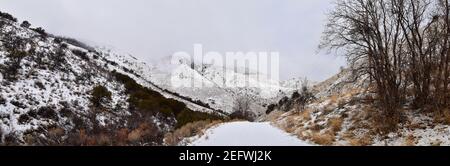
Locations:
(152, 29)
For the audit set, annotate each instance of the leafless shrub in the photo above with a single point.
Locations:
(242, 110)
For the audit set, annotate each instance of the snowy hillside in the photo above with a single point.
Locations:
(145, 74)
(220, 86)
(342, 114)
(56, 90)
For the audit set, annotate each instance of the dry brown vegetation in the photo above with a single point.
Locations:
(410, 140)
(274, 116)
(327, 128)
(334, 99)
(442, 116)
(306, 115)
(326, 138)
(364, 141)
(328, 135)
(335, 124)
(189, 130)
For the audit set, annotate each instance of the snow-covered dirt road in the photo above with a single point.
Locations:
(247, 134)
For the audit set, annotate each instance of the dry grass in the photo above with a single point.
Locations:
(103, 139)
(135, 135)
(384, 124)
(274, 115)
(300, 134)
(294, 121)
(410, 140)
(447, 116)
(189, 130)
(315, 127)
(56, 132)
(366, 113)
(442, 116)
(290, 124)
(364, 140)
(335, 124)
(122, 136)
(334, 99)
(326, 138)
(414, 126)
(306, 114)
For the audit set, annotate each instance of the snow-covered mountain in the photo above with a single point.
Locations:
(57, 90)
(220, 86)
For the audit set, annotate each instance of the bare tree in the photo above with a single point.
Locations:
(424, 24)
(242, 110)
(421, 41)
(441, 84)
(372, 40)
(395, 44)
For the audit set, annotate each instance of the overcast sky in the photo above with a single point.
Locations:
(152, 29)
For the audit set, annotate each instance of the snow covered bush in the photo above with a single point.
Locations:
(40, 31)
(47, 112)
(271, 108)
(75, 42)
(25, 24)
(304, 97)
(81, 54)
(2, 100)
(298, 101)
(8, 16)
(100, 96)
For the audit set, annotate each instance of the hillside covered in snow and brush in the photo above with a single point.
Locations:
(342, 113)
(58, 91)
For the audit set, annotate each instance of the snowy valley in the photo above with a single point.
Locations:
(58, 91)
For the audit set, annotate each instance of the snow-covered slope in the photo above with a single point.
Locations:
(56, 90)
(146, 74)
(247, 134)
(219, 86)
